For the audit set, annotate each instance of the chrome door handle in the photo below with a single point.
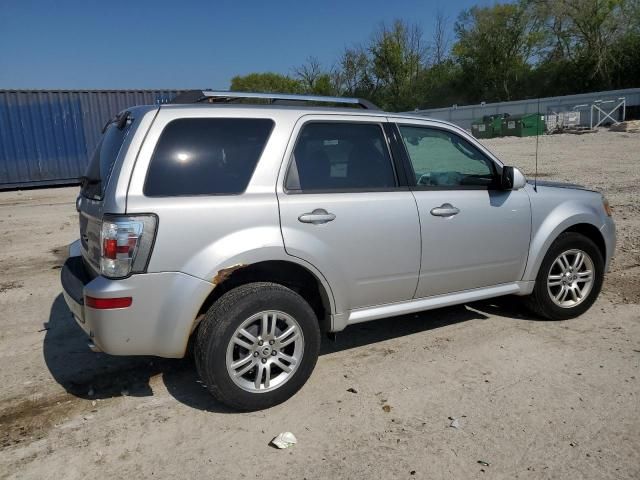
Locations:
(317, 217)
(445, 210)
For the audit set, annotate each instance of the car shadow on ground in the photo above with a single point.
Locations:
(94, 376)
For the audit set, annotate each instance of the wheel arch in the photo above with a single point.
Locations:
(593, 233)
(290, 274)
(577, 224)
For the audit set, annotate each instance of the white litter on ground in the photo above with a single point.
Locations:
(284, 440)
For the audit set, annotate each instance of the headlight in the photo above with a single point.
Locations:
(606, 206)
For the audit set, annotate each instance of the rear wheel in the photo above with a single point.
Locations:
(257, 346)
(570, 278)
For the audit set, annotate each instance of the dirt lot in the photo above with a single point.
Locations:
(534, 399)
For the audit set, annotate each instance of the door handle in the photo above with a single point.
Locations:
(445, 210)
(317, 217)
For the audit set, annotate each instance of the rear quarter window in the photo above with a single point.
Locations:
(206, 156)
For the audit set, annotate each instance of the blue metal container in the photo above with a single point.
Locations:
(47, 136)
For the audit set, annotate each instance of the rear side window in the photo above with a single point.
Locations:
(206, 156)
(340, 156)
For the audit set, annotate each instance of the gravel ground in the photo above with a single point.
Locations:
(533, 399)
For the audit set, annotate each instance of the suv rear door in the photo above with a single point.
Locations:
(344, 209)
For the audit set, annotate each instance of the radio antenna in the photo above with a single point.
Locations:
(535, 177)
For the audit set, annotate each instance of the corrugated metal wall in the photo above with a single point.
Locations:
(47, 136)
(464, 115)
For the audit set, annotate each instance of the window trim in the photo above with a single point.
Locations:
(196, 195)
(410, 172)
(398, 169)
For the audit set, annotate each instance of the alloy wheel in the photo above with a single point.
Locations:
(570, 278)
(265, 351)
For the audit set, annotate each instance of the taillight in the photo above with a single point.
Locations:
(125, 244)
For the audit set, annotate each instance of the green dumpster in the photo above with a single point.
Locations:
(526, 125)
(489, 126)
(481, 128)
(496, 124)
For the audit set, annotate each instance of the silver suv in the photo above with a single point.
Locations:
(246, 230)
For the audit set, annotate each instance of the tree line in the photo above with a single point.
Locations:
(508, 51)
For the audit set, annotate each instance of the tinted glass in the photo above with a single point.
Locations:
(98, 172)
(340, 156)
(441, 158)
(206, 156)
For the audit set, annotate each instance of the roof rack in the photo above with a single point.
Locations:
(212, 96)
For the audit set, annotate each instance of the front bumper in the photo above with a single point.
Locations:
(159, 320)
(608, 231)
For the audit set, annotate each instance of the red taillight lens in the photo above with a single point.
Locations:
(109, 248)
(107, 303)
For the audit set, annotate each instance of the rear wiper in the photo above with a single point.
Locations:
(89, 181)
(121, 121)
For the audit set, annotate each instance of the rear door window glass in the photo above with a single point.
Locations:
(206, 156)
(340, 156)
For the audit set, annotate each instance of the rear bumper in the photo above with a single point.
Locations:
(73, 278)
(158, 322)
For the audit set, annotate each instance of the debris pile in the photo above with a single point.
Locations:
(631, 126)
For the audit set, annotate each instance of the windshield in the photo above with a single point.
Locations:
(96, 178)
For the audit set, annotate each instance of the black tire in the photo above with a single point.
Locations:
(540, 301)
(219, 325)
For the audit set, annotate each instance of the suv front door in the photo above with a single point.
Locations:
(473, 233)
(344, 210)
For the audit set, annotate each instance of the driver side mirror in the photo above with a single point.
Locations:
(512, 179)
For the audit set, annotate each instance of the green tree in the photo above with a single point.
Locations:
(266, 82)
(439, 85)
(315, 79)
(325, 85)
(398, 56)
(355, 77)
(440, 39)
(587, 40)
(508, 51)
(494, 48)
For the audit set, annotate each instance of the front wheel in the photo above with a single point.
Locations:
(570, 278)
(257, 346)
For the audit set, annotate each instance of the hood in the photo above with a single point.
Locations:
(547, 183)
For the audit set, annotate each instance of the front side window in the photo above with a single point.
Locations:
(340, 156)
(443, 159)
(206, 156)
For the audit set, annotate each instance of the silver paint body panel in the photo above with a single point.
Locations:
(383, 255)
(158, 322)
(370, 253)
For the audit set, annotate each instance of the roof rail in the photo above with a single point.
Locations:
(212, 96)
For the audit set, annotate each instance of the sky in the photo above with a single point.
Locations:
(142, 44)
